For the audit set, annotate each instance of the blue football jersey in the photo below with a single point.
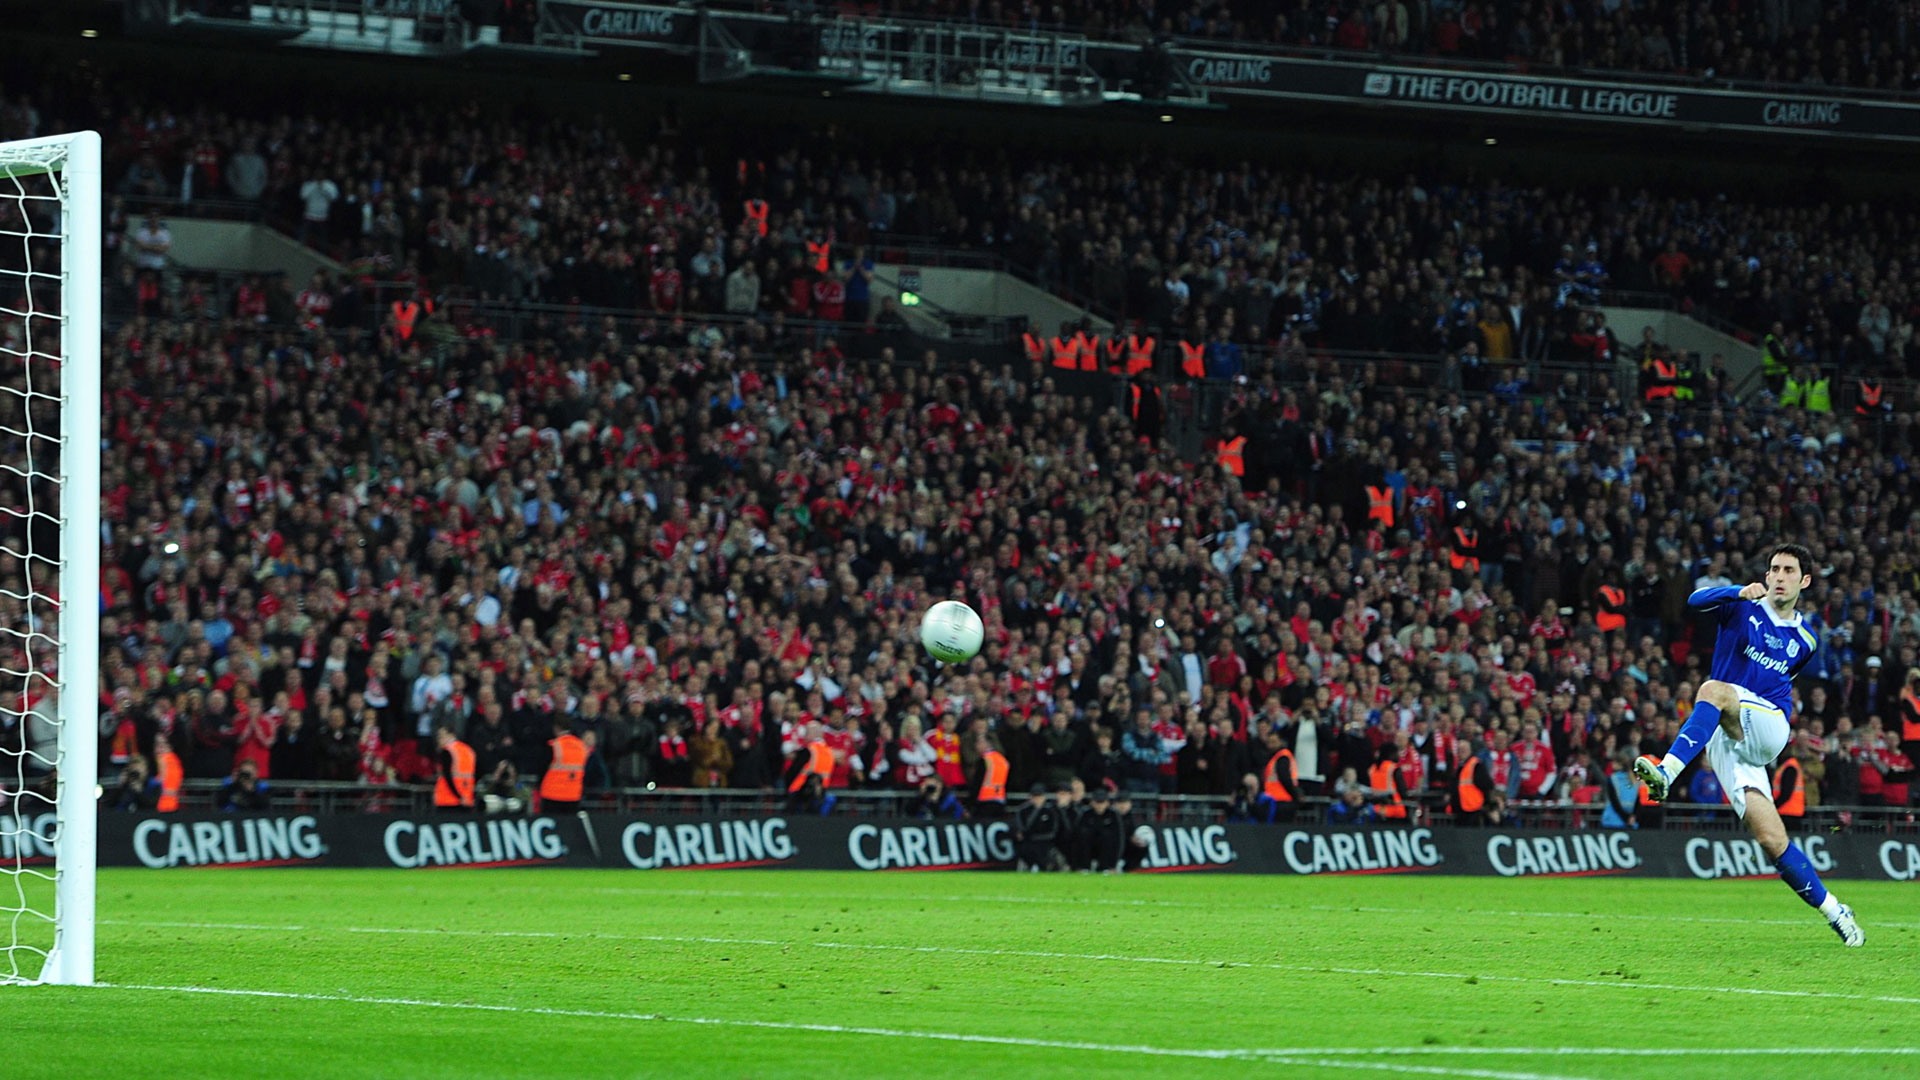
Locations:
(1754, 649)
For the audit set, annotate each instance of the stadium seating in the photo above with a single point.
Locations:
(658, 526)
(1869, 47)
(1266, 255)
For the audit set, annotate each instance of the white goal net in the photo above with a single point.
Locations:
(50, 251)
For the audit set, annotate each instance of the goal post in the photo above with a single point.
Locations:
(50, 410)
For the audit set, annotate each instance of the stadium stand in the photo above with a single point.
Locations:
(688, 524)
(1869, 47)
(1404, 265)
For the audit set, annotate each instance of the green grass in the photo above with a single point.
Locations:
(1274, 974)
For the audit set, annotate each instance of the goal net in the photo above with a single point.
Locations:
(50, 251)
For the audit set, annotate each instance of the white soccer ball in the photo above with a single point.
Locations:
(952, 632)
(1143, 835)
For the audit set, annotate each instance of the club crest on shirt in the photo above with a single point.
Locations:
(1793, 650)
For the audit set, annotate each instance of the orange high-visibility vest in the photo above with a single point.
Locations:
(819, 762)
(1036, 348)
(1787, 778)
(1232, 455)
(1380, 505)
(1115, 350)
(568, 771)
(1869, 398)
(1066, 353)
(822, 254)
(1193, 359)
(1139, 353)
(1910, 717)
(1087, 346)
(1466, 542)
(171, 774)
(1613, 601)
(405, 314)
(1276, 788)
(1381, 777)
(1666, 376)
(993, 786)
(461, 793)
(757, 215)
(1469, 797)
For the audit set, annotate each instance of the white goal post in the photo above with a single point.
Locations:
(50, 409)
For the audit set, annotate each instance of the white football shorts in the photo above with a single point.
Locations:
(1743, 764)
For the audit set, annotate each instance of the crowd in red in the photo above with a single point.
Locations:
(695, 541)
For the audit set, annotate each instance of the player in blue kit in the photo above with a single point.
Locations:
(1740, 715)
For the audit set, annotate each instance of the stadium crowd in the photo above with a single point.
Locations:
(1259, 260)
(705, 547)
(1865, 46)
(707, 559)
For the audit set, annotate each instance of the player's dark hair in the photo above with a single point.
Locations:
(1800, 554)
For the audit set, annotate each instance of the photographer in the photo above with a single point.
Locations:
(1036, 833)
(1102, 831)
(136, 791)
(936, 801)
(244, 790)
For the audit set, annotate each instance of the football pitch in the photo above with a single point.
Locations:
(585, 974)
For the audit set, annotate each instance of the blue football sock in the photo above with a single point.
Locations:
(1798, 873)
(1693, 735)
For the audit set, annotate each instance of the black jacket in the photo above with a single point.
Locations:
(1037, 823)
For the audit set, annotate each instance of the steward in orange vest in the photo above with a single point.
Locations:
(1789, 793)
(1232, 455)
(816, 759)
(560, 787)
(1380, 505)
(1066, 352)
(1613, 606)
(1036, 349)
(1139, 353)
(1280, 789)
(1115, 352)
(1870, 395)
(1910, 715)
(171, 775)
(1193, 359)
(1385, 776)
(992, 798)
(1470, 791)
(406, 317)
(1088, 348)
(821, 255)
(1666, 378)
(1466, 548)
(454, 788)
(757, 215)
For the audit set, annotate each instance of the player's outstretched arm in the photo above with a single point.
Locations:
(1715, 595)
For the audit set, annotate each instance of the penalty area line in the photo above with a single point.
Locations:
(1281, 1058)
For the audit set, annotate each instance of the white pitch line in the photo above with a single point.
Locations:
(878, 1032)
(1125, 902)
(1608, 1051)
(1035, 954)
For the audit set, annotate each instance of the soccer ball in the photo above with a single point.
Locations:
(952, 632)
(1143, 835)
